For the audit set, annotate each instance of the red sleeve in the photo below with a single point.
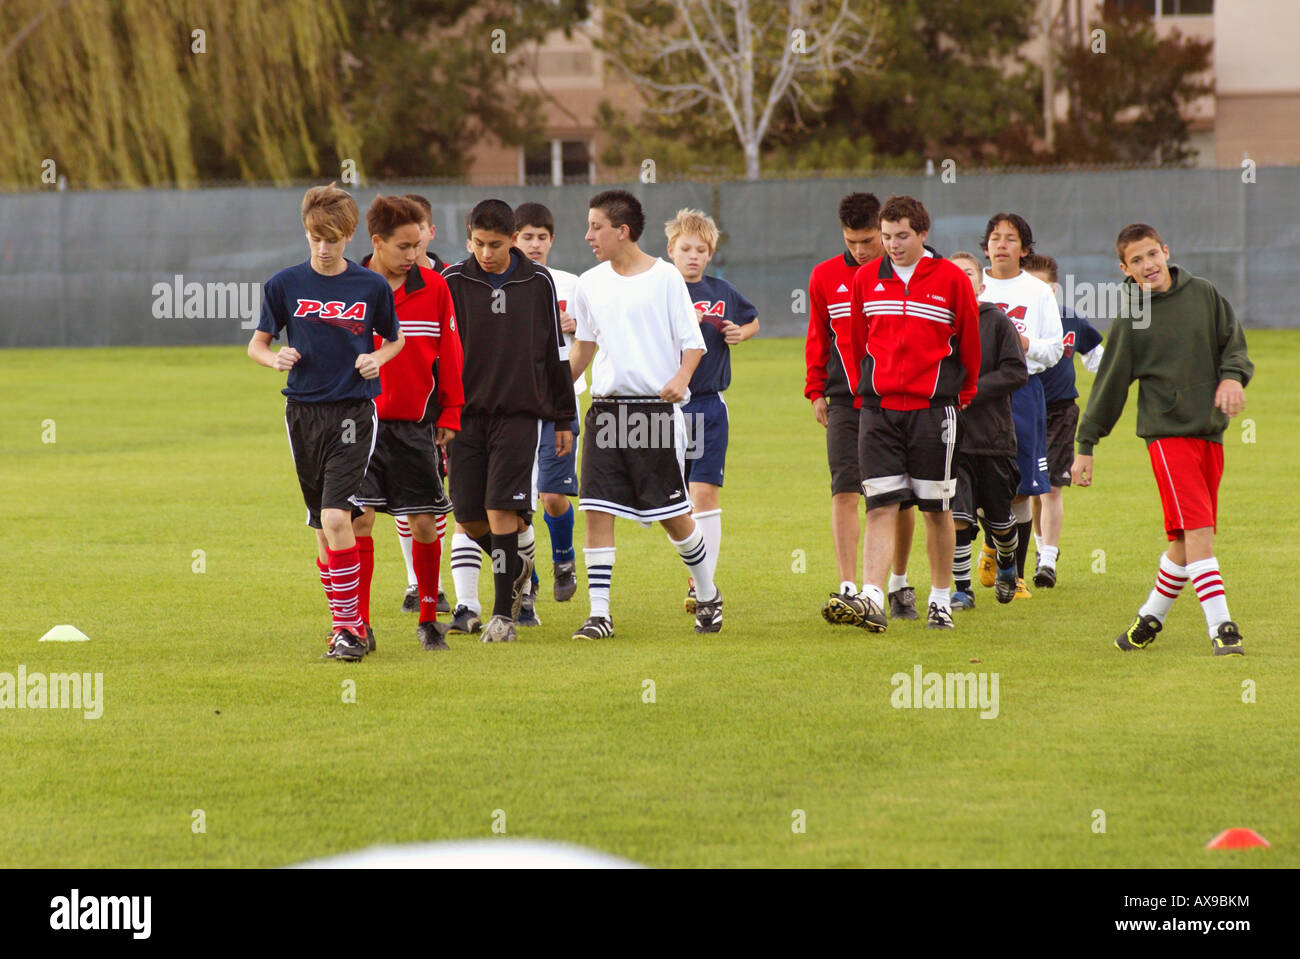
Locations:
(817, 348)
(968, 339)
(451, 391)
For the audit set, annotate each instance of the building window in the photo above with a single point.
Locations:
(557, 162)
(1164, 8)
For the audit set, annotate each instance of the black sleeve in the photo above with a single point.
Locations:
(559, 375)
(1010, 373)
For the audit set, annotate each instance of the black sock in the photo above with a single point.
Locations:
(505, 567)
(1006, 545)
(484, 542)
(1026, 533)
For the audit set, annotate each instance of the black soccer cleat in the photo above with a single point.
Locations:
(432, 636)
(708, 614)
(837, 610)
(520, 586)
(1005, 584)
(596, 627)
(1140, 635)
(464, 622)
(1045, 577)
(370, 639)
(346, 646)
(443, 605)
(902, 604)
(566, 581)
(1227, 642)
(528, 612)
(861, 611)
(411, 601)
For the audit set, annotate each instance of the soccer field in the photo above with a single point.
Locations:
(774, 742)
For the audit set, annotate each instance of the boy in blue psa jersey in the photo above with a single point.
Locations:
(1079, 337)
(726, 319)
(330, 310)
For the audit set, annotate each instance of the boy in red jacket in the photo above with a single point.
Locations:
(403, 477)
(916, 314)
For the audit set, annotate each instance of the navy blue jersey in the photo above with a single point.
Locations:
(331, 321)
(719, 301)
(1079, 337)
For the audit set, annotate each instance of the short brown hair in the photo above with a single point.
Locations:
(1131, 234)
(967, 255)
(330, 212)
(423, 203)
(387, 213)
(1040, 263)
(899, 208)
(690, 222)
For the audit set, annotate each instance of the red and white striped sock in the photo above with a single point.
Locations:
(325, 582)
(1205, 577)
(345, 578)
(1170, 580)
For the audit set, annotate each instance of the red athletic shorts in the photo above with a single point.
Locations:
(1187, 471)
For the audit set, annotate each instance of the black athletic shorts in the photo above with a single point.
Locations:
(633, 459)
(987, 483)
(331, 445)
(842, 445)
(1062, 422)
(403, 477)
(909, 454)
(491, 465)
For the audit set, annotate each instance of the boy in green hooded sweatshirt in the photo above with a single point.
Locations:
(1188, 349)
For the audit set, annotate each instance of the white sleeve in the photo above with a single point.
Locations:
(1092, 359)
(1049, 346)
(581, 314)
(681, 311)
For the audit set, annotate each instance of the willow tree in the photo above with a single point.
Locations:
(149, 92)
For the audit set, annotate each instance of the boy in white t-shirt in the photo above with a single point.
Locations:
(636, 309)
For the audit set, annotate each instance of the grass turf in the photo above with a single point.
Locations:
(215, 697)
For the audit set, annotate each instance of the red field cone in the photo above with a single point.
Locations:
(1238, 838)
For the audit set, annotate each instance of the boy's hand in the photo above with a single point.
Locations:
(1230, 397)
(563, 442)
(1081, 471)
(567, 323)
(285, 358)
(731, 333)
(674, 390)
(699, 315)
(819, 411)
(444, 436)
(367, 365)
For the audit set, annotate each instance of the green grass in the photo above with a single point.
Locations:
(216, 698)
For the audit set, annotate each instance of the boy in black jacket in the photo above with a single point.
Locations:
(514, 378)
(987, 475)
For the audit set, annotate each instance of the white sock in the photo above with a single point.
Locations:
(897, 582)
(1047, 555)
(466, 562)
(848, 586)
(528, 548)
(709, 523)
(1170, 580)
(873, 592)
(943, 597)
(696, 557)
(1038, 544)
(600, 570)
(1204, 574)
(404, 538)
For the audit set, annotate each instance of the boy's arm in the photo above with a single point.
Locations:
(1010, 373)
(968, 339)
(1235, 367)
(674, 391)
(584, 334)
(746, 325)
(1048, 348)
(688, 339)
(1109, 390)
(269, 325)
(451, 363)
(385, 325)
(817, 349)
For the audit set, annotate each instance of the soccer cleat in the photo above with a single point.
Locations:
(1021, 592)
(962, 599)
(1045, 576)
(708, 614)
(411, 601)
(988, 568)
(498, 630)
(347, 646)
(528, 612)
(464, 621)
(443, 605)
(566, 581)
(1140, 634)
(432, 635)
(839, 611)
(902, 604)
(596, 627)
(370, 639)
(519, 587)
(1006, 585)
(690, 601)
(939, 617)
(1228, 640)
(861, 611)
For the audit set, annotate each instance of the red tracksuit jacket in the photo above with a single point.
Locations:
(830, 357)
(407, 381)
(922, 339)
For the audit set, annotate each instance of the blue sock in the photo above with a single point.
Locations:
(561, 528)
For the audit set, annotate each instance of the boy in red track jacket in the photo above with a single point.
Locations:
(403, 477)
(916, 314)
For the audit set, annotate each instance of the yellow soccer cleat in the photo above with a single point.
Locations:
(987, 569)
(1021, 592)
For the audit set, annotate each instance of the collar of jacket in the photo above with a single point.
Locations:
(887, 265)
(525, 269)
(414, 278)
